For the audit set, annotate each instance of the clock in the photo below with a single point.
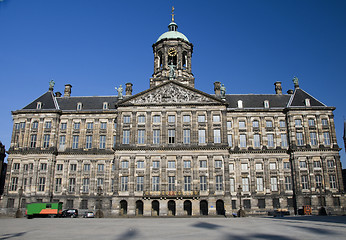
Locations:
(172, 52)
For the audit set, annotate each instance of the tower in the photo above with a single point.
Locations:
(172, 57)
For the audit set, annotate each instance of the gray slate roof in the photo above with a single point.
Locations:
(47, 100)
(88, 103)
(257, 100)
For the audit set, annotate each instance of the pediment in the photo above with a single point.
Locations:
(172, 93)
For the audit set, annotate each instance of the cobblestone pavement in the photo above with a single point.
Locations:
(302, 227)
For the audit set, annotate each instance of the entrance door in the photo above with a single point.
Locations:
(155, 208)
(220, 207)
(188, 207)
(171, 208)
(139, 208)
(203, 207)
(123, 207)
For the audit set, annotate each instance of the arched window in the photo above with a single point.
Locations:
(184, 60)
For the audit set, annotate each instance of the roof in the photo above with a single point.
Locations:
(88, 103)
(298, 99)
(47, 100)
(172, 33)
(257, 100)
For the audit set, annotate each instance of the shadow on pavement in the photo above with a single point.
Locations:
(206, 225)
(131, 233)
(12, 235)
(316, 230)
(329, 219)
(256, 236)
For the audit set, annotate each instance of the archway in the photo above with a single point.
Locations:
(220, 207)
(139, 208)
(203, 207)
(188, 207)
(171, 208)
(155, 208)
(123, 208)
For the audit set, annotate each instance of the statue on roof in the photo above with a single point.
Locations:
(51, 85)
(172, 69)
(296, 82)
(120, 92)
(223, 91)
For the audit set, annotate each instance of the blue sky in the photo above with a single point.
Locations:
(97, 45)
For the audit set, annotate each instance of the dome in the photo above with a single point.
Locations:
(173, 33)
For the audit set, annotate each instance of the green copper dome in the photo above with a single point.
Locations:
(172, 33)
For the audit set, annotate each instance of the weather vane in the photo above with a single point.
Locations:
(172, 14)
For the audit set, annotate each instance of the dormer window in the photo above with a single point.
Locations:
(307, 102)
(105, 106)
(240, 104)
(39, 105)
(266, 104)
(79, 106)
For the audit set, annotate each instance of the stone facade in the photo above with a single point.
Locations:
(174, 150)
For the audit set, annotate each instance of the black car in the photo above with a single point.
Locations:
(72, 213)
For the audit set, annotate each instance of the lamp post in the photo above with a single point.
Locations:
(99, 213)
(19, 212)
(241, 212)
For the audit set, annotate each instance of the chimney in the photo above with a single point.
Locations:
(278, 88)
(58, 94)
(217, 88)
(67, 92)
(128, 89)
(290, 91)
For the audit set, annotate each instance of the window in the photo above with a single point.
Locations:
(261, 203)
(41, 184)
(88, 142)
(171, 183)
(79, 106)
(187, 183)
(126, 136)
(313, 139)
(171, 164)
(266, 104)
(58, 182)
(326, 138)
(171, 136)
(272, 166)
(229, 125)
(186, 136)
(217, 136)
(140, 183)
(103, 125)
(105, 106)
(245, 183)
(26, 167)
(231, 185)
(126, 119)
(43, 167)
(76, 126)
(124, 164)
(38, 105)
(156, 119)
(201, 118)
(112, 185)
(300, 140)
(62, 141)
(171, 118)
(201, 136)
(141, 119)
(269, 124)
(259, 181)
(123, 183)
(298, 122)
(10, 203)
(256, 141)
(16, 126)
(274, 183)
(270, 138)
(244, 166)
(282, 124)
(90, 125)
(288, 183)
(100, 182)
(186, 118)
(84, 204)
(255, 124)
(324, 122)
(59, 167)
(156, 164)
(311, 122)
(276, 203)
(156, 136)
(63, 126)
(259, 166)
(140, 164)
(330, 164)
(231, 167)
(115, 124)
(318, 181)
(332, 181)
(240, 104)
(307, 102)
(302, 164)
(284, 142)
(75, 140)
(218, 164)
(100, 167)
(34, 125)
(46, 139)
(242, 139)
(305, 183)
(229, 139)
(203, 183)
(14, 184)
(16, 166)
(242, 124)
(218, 184)
(141, 136)
(216, 118)
(73, 167)
(86, 167)
(22, 125)
(33, 139)
(187, 164)
(317, 164)
(48, 125)
(203, 164)
(287, 165)
(156, 184)
(114, 141)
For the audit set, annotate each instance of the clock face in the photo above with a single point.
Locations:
(172, 51)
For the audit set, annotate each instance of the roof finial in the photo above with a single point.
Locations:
(172, 14)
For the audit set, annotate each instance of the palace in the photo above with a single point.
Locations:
(173, 150)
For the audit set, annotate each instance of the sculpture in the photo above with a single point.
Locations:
(296, 82)
(51, 85)
(223, 91)
(120, 91)
(172, 71)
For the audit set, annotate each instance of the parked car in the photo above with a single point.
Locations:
(89, 215)
(72, 213)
